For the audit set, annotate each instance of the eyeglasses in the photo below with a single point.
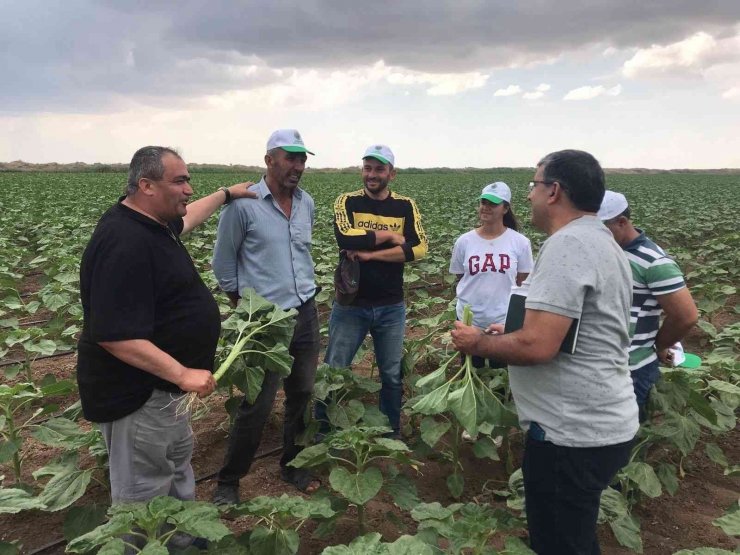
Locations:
(533, 184)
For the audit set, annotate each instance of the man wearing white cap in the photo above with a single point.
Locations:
(658, 287)
(265, 244)
(382, 230)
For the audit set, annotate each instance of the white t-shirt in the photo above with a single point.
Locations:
(489, 268)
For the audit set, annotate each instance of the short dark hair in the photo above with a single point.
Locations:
(147, 163)
(579, 174)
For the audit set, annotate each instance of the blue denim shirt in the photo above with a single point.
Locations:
(258, 246)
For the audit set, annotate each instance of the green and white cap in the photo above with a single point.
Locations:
(380, 152)
(496, 193)
(288, 139)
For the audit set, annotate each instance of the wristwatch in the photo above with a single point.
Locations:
(227, 200)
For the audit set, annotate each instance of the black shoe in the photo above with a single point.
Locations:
(182, 544)
(226, 494)
(300, 478)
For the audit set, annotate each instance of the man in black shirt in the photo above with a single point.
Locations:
(150, 327)
(382, 230)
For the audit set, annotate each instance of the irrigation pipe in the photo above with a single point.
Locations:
(59, 354)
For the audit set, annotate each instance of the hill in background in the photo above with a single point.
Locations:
(82, 167)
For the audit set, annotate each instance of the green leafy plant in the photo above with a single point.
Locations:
(15, 500)
(424, 349)
(353, 455)
(470, 400)
(256, 339)
(14, 419)
(68, 481)
(278, 520)
(371, 544)
(614, 510)
(465, 395)
(34, 343)
(148, 527)
(467, 528)
(341, 391)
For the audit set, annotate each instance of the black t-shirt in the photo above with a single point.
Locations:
(137, 281)
(381, 283)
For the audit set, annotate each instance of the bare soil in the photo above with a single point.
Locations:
(668, 523)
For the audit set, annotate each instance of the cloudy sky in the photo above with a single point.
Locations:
(445, 83)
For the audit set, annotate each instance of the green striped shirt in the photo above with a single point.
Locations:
(654, 273)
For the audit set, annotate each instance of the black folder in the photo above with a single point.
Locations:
(515, 321)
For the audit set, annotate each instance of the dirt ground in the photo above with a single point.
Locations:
(668, 523)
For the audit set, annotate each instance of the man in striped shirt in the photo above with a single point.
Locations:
(658, 288)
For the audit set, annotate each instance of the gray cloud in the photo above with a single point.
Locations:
(84, 55)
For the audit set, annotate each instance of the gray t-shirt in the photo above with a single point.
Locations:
(585, 399)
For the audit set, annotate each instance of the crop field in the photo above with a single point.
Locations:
(432, 492)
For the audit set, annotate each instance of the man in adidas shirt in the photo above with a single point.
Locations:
(382, 230)
(658, 288)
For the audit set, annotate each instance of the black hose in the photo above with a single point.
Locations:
(59, 354)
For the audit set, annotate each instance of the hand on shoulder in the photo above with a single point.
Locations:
(241, 190)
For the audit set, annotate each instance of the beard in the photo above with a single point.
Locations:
(377, 186)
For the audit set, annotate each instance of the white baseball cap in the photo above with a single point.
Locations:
(497, 193)
(288, 139)
(380, 152)
(612, 206)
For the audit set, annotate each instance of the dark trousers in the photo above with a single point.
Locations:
(643, 380)
(246, 433)
(562, 491)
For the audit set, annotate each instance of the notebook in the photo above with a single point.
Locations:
(515, 320)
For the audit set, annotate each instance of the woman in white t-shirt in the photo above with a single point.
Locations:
(489, 260)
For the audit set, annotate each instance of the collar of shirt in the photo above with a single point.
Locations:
(264, 190)
(637, 241)
(175, 225)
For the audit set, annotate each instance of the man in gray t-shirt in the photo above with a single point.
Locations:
(579, 409)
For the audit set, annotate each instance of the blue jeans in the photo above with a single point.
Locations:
(643, 379)
(348, 327)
